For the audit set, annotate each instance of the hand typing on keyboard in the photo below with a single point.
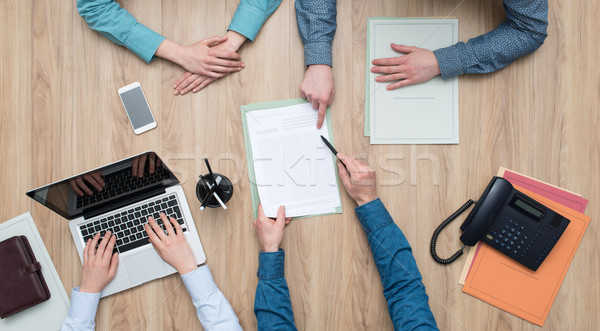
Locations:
(99, 264)
(172, 245)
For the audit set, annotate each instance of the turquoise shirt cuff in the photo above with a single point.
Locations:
(143, 42)
(271, 265)
(83, 305)
(247, 21)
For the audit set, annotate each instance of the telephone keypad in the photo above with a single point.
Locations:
(512, 239)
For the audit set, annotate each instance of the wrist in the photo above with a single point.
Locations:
(364, 200)
(269, 249)
(86, 289)
(234, 40)
(186, 269)
(172, 51)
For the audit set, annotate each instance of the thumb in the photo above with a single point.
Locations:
(280, 221)
(403, 49)
(212, 40)
(114, 263)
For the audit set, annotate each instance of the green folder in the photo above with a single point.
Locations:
(250, 159)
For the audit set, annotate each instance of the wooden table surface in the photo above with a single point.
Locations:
(61, 115)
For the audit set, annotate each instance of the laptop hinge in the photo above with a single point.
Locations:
(114, 205)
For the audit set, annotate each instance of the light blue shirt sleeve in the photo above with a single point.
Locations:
(118, 25)
(82, 312)
(523, 32)
(317, 25)
(213, 309)
(250, 16)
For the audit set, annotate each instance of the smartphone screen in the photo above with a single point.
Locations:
(137, 108)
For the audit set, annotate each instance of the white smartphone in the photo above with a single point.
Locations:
(137, 108)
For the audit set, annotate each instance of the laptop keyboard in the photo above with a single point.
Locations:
(128, 225)
(121, 182)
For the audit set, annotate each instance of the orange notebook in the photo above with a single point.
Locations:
(510, 286)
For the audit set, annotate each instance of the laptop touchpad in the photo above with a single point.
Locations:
(144, 266)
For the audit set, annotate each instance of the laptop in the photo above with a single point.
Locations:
(120, 197)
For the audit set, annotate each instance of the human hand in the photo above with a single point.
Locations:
(417, 66)
(205, 60)
(358, 179)
(138, 165)
(99, 264)
(270, 231)
(171, 247)
(94, 179)
(190, 81)
(318, 88)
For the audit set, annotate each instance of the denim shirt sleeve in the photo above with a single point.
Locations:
(272, 305)
(212, 308)
(522, 33)
(316, 25)
(119, 26)
(402, 287)
(250, 16)
(82, 311)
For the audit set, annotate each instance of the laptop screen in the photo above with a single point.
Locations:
(106, 188)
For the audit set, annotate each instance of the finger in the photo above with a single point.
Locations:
(222, 69)
(280, 216)
(212, 40)
(403, 48)
(82, 186)
(388, 61)
(400, 84)
(227, 55)
(221, 62)
(388, 69)
(109, 248)
(315, 103)
(176, 225)
(93, 182)
(114, 263)
(86, 250)
(302, 94)
(322, 110)
(167, 223)
(103, 243)
(151, 235)
(92, 251)
(203, 84)
(141, 166)
(261, 212)
(134, 166)
(181, 79)
(348, 161)
(98, 177)
(344, 175)
(159, 232)
(190, 80)
(391, 77)
(193, 85)
(152, 165)
(76, 188)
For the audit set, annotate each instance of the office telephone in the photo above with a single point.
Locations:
(509, 221)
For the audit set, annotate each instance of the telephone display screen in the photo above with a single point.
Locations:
(137, 107)
(527, 208)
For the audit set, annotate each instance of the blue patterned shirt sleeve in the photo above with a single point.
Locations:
(317, 24)
(119, 26)
(523, 32)
(272, 304)
(250, 16)
(402, 287)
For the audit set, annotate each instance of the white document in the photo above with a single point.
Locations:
(425, 113)
(292, 165)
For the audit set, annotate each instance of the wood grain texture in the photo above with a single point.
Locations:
(60, 115)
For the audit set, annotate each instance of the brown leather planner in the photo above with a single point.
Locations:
(21, 282)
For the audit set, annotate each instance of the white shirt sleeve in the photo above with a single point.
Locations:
(82, 312)
(213, 309)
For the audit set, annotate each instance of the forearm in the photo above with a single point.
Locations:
(272, 304)
(82, 311)
(119, 26)
(522, 33)
(402, 287)
(316, 24)
(250, 16)
(212, 308)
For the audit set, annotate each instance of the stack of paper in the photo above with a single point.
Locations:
(425, 113)
(288, 163)
(506, 284)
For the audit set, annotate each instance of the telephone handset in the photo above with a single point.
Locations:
(510, 222)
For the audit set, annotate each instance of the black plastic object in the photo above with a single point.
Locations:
(224, 189)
